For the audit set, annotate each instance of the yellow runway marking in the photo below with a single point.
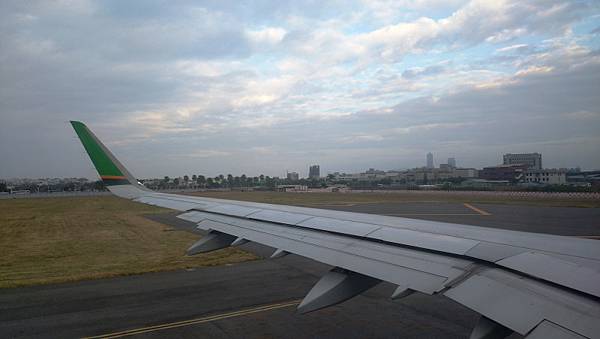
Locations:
(478, 210)
(197, 320)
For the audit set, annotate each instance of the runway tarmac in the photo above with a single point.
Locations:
(257, 299)
(526, 218)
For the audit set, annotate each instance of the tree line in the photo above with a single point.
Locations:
(231, 181)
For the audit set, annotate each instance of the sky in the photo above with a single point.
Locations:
(265, 87)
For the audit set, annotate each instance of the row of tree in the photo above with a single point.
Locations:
(267, 182)
(69, 186)
(230, 181)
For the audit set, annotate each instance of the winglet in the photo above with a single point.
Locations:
(111, 171)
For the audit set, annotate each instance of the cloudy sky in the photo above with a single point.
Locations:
(193, 87)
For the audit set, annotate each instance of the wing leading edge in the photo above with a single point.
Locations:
(540, 286)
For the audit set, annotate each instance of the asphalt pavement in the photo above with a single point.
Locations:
(257, 299)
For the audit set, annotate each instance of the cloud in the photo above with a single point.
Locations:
(267, 36)
(512, 48)
(420, 71)
(276, 84)
(582, 115)
(201, 154)
(533, 70)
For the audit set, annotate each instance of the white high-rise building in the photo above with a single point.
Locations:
(314, 172)
(452, 162)
(429, 160)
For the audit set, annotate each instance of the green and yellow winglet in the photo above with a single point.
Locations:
(111, 171)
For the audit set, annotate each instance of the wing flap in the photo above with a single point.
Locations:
(424, 272)
(522, 304)
(279, 217)
(435, 242)
(548, 329)
(234, 210)
(340, 226)
(553, 269)
(579, 273)
(493, 292)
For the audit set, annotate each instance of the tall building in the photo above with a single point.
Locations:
(531, 160)
(314, 172)
(293, 176)
(429, 160)
(452, 162)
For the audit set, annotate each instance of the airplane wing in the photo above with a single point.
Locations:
(538, 285)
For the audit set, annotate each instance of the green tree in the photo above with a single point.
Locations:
(201, 181)
(270, 182)
(99, 185)
(386, 181)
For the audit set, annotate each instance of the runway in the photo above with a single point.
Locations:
(526, 218)
(257, 299)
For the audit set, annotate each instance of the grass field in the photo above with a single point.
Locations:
(50, 240)
(64, 239)
(315, 199)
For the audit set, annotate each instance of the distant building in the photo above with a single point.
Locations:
(511, 173)
(452, 162)
(429, 160)
(531, 160)
(374, 171)
(465, 173)
(546, 176)
(314, 172)
(583, 178)
(417, 175)
(292, 188)
(293, 176)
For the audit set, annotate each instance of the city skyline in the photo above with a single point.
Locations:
(223, 87)
(294, 174)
